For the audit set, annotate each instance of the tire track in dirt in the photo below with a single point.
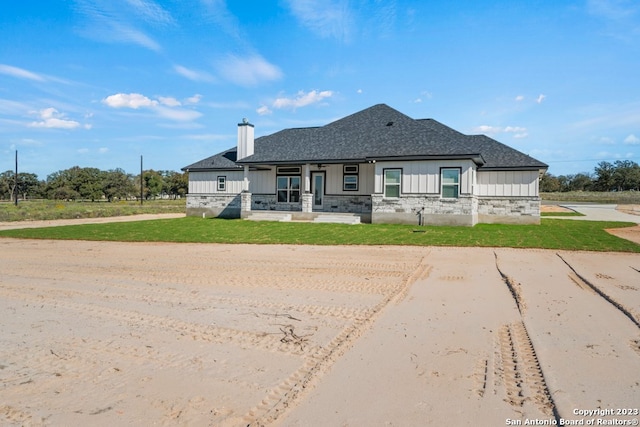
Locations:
(19, 417)
(635, 318)
(521, 372)
(192, 299)
(514, 287)
(209, 283)
(285, 394)
(196, 331)
(518, 363)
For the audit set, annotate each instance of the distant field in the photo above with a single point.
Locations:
(620, 198)
(31, 210)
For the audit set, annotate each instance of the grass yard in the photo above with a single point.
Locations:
(561, 214)
(608, 197)
(550, 234)
(33, 210)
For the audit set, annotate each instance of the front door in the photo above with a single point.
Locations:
(317, 189)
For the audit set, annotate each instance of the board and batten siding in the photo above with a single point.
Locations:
(260, 182)
(423, 177)
(507, 183)
(334, 179)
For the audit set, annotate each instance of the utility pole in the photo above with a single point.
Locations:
(141, 183)
(15, 189)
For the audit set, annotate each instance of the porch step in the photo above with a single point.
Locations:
(269, 216)
(338, 219)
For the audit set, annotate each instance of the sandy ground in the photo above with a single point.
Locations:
(109, 334)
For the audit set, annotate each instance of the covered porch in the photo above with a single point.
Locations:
(307, 192)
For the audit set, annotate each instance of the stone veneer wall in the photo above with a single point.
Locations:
(347, 204)
(467, 210)
(432, 210)
(509, 210)
(214, 205)
(268, 202)
(343, 204)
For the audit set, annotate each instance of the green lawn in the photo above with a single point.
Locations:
(551, 234)
(561, 214)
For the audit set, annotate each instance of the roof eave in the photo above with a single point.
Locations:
(475, 157)
(515, 168)
(301, 161)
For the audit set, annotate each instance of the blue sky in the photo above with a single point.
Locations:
(97, 83)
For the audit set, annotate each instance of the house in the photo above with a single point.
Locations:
(378, 164)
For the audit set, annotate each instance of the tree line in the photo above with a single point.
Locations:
(78, 183)
(93, 184)
(621, 175)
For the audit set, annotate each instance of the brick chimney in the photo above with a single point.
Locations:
(245, 139)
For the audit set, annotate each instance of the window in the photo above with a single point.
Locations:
(288, 189)
(350, 178)
(350, 169)
(222, 183)
(350, 183)
(450, 183)
(288, 170)
(392, 182)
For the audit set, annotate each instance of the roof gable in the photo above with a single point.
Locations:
(495, 154)
(376, 133)
(221, 161)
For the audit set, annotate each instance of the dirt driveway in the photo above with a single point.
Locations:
(191, 334)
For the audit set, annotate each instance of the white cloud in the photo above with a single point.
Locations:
(248, 71)
(119, 22)
(486, 129)
(169, 101)
(326, 18)
(83, 150)
(519, 98)
(178, 114)
(129, 100)
(517, 131)
(606, 140)
(11, 107)
(540, 98)
(264, 110)
(52, 119)
(194, 75)
(359, 91)
(151, 11)
(103, 150)
(193, 99)
(302, 99)
(165, 107)
(514, 129)
(632, 140)
(20, 73)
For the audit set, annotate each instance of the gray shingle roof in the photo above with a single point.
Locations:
(376, 133)
(221, 161)
(495, 154)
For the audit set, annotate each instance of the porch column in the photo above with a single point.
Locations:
(307, 178)
(245, 196)
(307, 197)
(245, 182)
